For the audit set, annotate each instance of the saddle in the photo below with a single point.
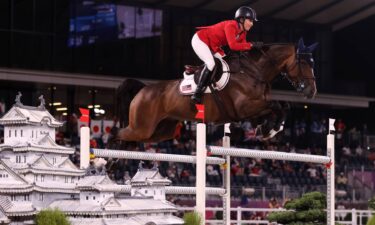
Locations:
(190, 69)
(197, 70)
(219, 78)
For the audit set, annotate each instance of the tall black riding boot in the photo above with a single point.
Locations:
(203, 82)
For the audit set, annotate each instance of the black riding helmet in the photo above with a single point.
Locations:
(245, 12)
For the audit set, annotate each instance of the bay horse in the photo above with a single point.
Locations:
(152, 112)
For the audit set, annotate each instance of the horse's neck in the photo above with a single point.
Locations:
(272, 61)
(262, 66)
(269, 70)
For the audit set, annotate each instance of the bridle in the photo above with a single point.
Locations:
(300, 84)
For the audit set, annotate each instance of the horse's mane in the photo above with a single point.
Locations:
(278, 43)
(256, 54)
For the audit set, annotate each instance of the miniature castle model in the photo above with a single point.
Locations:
(36, 173)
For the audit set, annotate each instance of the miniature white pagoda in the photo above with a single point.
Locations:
(36, 173)
(149, 182)
(98, 199)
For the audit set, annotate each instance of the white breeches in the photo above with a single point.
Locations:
(203, 52)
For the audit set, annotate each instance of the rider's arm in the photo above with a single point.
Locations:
(220, 54)
(235, 45)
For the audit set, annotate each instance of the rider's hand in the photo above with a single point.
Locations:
(219, 56)
(257, 45)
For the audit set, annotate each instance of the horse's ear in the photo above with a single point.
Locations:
(312, 47)
(301, 45)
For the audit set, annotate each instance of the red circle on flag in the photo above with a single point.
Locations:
(95, 129)
(107, 129)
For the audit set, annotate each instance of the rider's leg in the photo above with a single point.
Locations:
(203, 82)
(204, 53)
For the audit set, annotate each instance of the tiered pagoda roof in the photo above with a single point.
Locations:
(20, 114)
(147, 177)
(41, 165)
(114, 206)
(99, 183)
(9, 208)
(45, 144)
(14, 183)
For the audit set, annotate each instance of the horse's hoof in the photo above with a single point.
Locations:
(273, 133)
(269, 136)
(279, 128)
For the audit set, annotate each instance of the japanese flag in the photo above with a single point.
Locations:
(107, 126)
(96, 128)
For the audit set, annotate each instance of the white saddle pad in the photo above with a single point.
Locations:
(188, 86)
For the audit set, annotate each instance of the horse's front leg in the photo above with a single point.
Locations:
(281, 111)
(273, 122)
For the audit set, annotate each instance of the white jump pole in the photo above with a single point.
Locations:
(201, 150)
(331, 174)
(265, 154)
(122, 154)
(85, 148)
(226, 180)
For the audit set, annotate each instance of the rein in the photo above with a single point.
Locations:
(298, 85)
(260, 80)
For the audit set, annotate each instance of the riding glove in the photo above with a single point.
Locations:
(257, 45)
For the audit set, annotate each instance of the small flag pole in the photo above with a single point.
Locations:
(200, 113)
(85, 118)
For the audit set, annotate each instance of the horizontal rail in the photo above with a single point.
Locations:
(180, 190)
(260, 154)
(120, 154)
(193, 190)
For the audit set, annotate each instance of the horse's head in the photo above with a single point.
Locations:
(299, 69)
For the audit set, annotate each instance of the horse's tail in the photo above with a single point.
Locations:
(124, 95)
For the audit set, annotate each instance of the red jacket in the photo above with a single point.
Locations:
(224, 33)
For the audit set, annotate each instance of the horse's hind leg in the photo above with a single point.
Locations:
(165, 130)
(138, 132)
(130, 134)
(143, 120)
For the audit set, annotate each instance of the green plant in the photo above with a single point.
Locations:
(51, 217)
(371, 203)
(371, 221)
(192, 218)
(309, 209)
